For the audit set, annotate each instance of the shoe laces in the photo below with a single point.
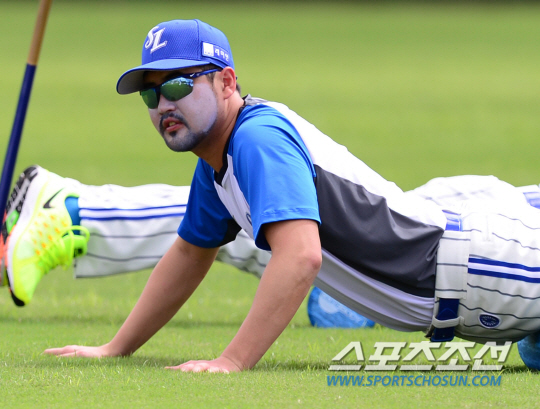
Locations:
(64, 249)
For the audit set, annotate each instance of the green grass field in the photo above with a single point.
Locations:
(416, 91)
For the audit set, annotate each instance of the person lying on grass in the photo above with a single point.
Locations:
(405, 262)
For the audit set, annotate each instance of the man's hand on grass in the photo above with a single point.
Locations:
(220, 364)
(80, 351)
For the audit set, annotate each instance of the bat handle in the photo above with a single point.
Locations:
(22, 106)
(15, 138)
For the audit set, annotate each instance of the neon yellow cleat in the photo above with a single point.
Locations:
(38, 234)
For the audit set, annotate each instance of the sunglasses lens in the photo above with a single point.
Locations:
(172, 90)
(150, 98)
(177, 88)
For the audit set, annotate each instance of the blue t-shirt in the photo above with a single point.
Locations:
(267, 176)
(379, 244)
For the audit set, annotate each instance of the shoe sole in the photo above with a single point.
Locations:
(15, 202)
(26, 194)
(17, 196)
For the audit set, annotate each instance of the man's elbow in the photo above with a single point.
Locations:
(314, 260)
(309, 262)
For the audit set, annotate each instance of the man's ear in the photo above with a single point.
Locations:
(228, 78)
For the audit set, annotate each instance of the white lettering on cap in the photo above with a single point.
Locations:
(154, 39)
(214, 51)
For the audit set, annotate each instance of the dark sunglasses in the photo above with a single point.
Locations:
(173, 89)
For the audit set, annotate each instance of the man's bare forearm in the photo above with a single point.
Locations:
(286, 281)
(171, 283)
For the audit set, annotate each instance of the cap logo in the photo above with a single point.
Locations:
(211, 50)
(154, 38)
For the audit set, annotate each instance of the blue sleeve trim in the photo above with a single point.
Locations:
(280, 216)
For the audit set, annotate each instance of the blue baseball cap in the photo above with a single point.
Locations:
(177, 44)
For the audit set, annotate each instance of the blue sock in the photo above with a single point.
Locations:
(72, 206)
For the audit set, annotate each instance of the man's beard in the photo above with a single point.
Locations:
(185, 143)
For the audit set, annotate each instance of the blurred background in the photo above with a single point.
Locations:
(415, 89)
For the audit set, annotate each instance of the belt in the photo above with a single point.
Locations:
(447, 317)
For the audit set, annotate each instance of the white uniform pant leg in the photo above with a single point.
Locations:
(448, 192)
(130, 227)
(244, 255)
(502, 301)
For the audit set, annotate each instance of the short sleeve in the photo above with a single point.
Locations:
(207, 223)
(275, 173)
